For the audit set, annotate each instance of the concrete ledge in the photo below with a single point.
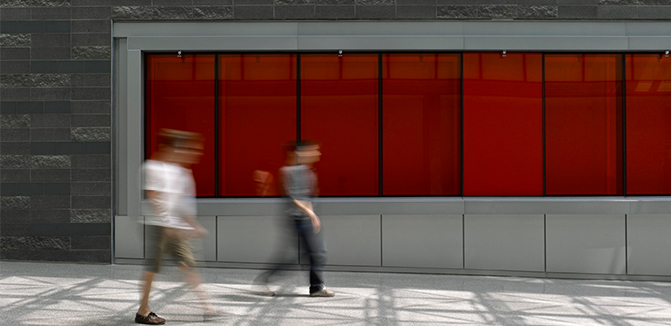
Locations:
(437, 271)
(397, 35)
(440, 205)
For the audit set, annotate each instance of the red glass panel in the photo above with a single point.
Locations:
(257, 114)
(339, 108)
(583, 120)
(180, 95)
(421, 122)
(503, 124)
(648, 127)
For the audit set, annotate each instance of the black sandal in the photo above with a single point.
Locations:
(150, 319)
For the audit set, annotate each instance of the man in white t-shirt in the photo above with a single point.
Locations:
(169, 186)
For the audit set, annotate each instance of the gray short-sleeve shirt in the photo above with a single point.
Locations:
(299, 183)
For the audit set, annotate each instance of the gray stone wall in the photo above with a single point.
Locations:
(55, 96)
(387, 9)
(55, 171)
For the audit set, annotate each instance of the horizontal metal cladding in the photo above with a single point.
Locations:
(433, 206)
(390, 35)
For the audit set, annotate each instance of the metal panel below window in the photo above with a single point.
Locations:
(422, 241)
(504, 242)
(586, 243)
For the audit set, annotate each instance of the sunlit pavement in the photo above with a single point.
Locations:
(72, 294)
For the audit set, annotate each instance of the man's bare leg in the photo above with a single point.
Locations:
(147, 280)
(192, 278)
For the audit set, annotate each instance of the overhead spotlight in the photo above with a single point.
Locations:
(340, 54)
(503, 54)
(179, 53)
(666, 53)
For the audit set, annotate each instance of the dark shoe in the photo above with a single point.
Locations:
(151, 319)
(323, 293)
(211, 315)
(262, 290)
(260, 286)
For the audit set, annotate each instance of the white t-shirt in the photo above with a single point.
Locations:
(176, 194)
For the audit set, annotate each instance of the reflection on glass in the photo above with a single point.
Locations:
(648, 127)
(339, 108)
(583, 119)
(257, 114)
(503, 124)
(180, 95)
(421, 124)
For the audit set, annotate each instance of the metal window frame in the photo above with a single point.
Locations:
(133, 39)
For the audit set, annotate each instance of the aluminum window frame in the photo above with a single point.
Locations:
(132, 39)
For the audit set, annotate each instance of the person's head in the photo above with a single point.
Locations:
(303, 152)
(181, 147)
(307, 152)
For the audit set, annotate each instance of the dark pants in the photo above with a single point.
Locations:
(315, 248)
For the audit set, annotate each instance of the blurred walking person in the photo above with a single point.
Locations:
(299, 183)
(170, 187)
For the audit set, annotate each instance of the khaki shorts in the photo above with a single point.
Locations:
(161, 243)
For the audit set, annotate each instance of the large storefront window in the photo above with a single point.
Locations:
(421, 124)
(257, 114)
(648, 127)
(339, 108)
(180, 95)
(503, 124)
(583, 117)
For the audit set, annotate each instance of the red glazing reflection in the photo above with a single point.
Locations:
(257, 114)
(503, 124)
(648, 128)
(180, 95)
(339, 108)
(583, 119)
(421, 136)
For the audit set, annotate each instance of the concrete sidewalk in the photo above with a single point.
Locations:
(72, 294)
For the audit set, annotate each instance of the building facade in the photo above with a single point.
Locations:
(459, 136)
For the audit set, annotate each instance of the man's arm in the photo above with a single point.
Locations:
(200, 231)
(291, 190)
(306, 207)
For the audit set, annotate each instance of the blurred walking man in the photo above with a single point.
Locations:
(170, 187)
(299, 183)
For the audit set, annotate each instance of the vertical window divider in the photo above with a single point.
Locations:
(298, 97)
(624, 125)
(461, 120)
(145, 111)
(379, 111)
(543, 122)
(216, 125)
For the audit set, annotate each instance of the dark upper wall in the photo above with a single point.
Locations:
(55, 133)
(388, 9)
(55, 97)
